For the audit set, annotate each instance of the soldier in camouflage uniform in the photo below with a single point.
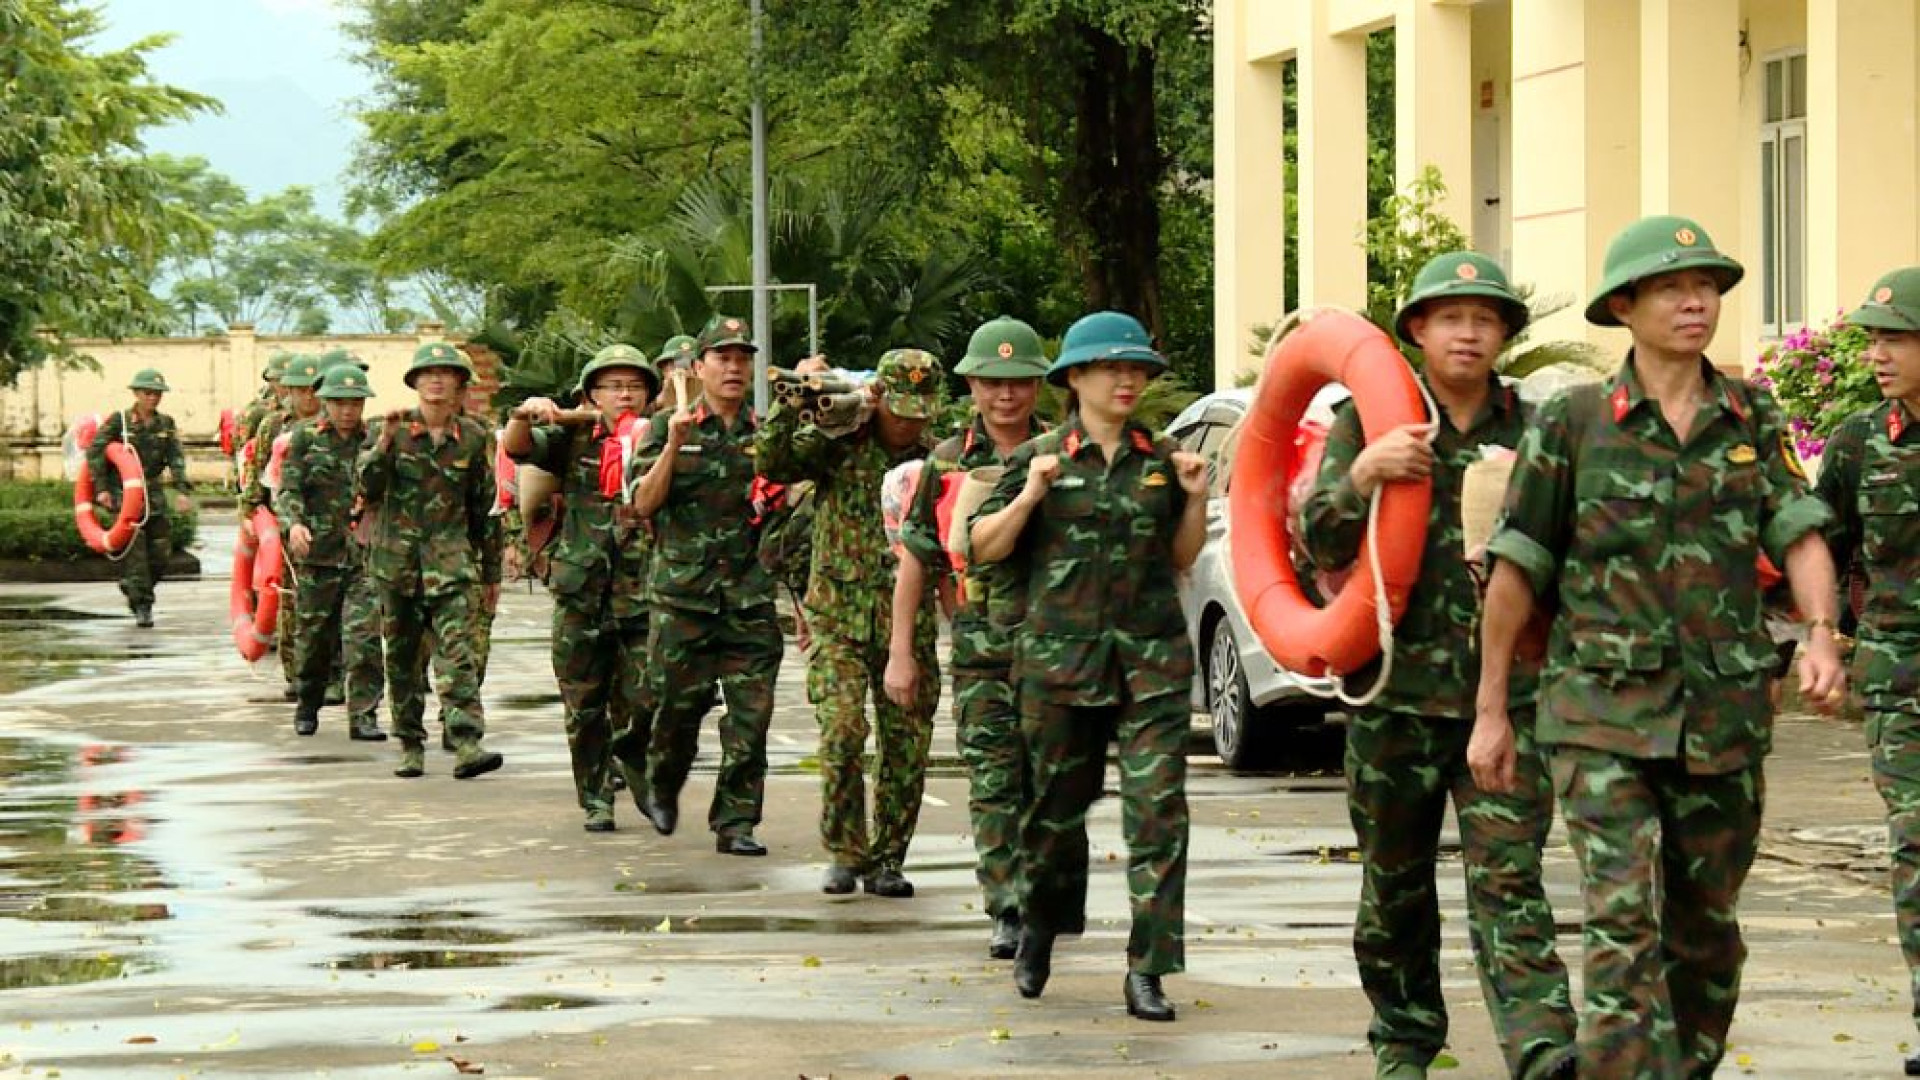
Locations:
(271, 399)
(427, 482)
(156, 441)
(849, 611)
(713, 617)
(675, 353)
(299, 384)
(1642, 505)
(1406, 753)
(1102, 516)
(1870, 478)
(476, 401)
(1003, 368)
(317, 508)
(597, 569)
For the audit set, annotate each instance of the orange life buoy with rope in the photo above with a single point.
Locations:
(1327, 345)
(253, 596)
(133, 497)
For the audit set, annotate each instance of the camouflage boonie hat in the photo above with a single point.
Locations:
(344, 381)
(302, 371)
(149, 379)
(1105, 336)
(1892, 304)
(438, 354)
(276, 364)
(679, 349)
(1662, 244)
(1004, 348)
(617, 355)
(910, 383)
(722, 331)
(1462, 274)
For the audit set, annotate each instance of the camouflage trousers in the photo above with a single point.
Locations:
(601, 665)
(692, 652)
(1662, 857)
(338, 626)
(998, 791)
(479, 639)
(840, 676)
(1067, 748)
(1894, 739)
(286, 629)
(145, 560)
(1401, 769)
(419, 625)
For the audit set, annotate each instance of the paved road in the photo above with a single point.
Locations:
(186, 888)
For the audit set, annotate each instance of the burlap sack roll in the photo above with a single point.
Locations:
(1483, 490)
(537, 486)
(973, 491)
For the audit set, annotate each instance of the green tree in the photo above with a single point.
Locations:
(81, 208)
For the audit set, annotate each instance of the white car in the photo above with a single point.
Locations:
(1253, 702)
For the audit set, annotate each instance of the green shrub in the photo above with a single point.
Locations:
(36, 523)
(1820, 378)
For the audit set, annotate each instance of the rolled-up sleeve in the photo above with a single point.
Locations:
(1533, 529)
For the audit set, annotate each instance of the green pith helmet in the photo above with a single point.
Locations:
(679, 349)
(1457, 275)
(618, 356)
(1004, 348)
(276, 366)
(1892, 304)
(333, 357)
(344, 381)
(302, 371)
(910, 381)
(1662, 244)
(149, 379)
(724, 330)
(438, 354)
(1105, 336)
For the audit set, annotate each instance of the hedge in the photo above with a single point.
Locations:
(36, 523)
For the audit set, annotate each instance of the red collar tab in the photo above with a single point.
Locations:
(1071, 444)
(700, 413)
(966, 446)
(1622, 401)
(1142, 441)
(1896, 423)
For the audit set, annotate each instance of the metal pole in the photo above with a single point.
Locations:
(762, 321)
(813, 319)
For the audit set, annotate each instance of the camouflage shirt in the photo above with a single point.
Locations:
(1102, 610)
(430, 507)
(1436, 643)
(705, 557)
(1650, 545)
(271, 428)
(595, 550)
(850, 582)
(977, 643)
(157, 442)
(317, 490)
(1870, 478)
(262, 403)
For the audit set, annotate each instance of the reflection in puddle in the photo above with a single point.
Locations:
(56, 969)
(770, 924)
(91, 909)
(425, 959)
(545, 1003)
(437, 934)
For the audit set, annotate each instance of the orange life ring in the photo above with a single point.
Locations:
(253, 595)
(133, 502)
(1329, 345)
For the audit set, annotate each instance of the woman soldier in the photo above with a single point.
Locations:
(1102, 516)
(598, 566)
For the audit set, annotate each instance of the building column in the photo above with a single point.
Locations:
(1250, 225)
(1690, 150)
(1333, 161)
(1862, 154)
(1434, 101)
(1576, 150)
(244, 365)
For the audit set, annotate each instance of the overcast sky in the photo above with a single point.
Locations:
(281, 67)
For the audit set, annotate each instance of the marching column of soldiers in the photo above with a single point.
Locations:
(1604, 650)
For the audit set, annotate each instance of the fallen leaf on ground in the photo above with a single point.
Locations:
(141, 1040)
(465, 1067)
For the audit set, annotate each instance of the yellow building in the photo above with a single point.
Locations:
(1786, 127)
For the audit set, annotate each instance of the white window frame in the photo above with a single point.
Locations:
(1782, 308)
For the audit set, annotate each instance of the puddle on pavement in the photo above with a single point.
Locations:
(425, 960)
(422, 915)
(545, 1003)
(38, 646)
(91, 909)
(437, 934)
(320, 759)
(767, 924)
(59, 969)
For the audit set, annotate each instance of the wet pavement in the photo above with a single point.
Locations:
(186, 888)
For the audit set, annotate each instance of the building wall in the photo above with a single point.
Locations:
(1600, 111)
(207, 374)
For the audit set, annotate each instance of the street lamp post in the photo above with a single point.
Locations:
(762, 321)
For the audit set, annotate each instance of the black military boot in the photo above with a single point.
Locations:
(143, 616)
(889, 882)
(1034, 962)
(1145, 999)
(1005, 942)
(306, 715)
(1913, 1065)
(662, 810)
